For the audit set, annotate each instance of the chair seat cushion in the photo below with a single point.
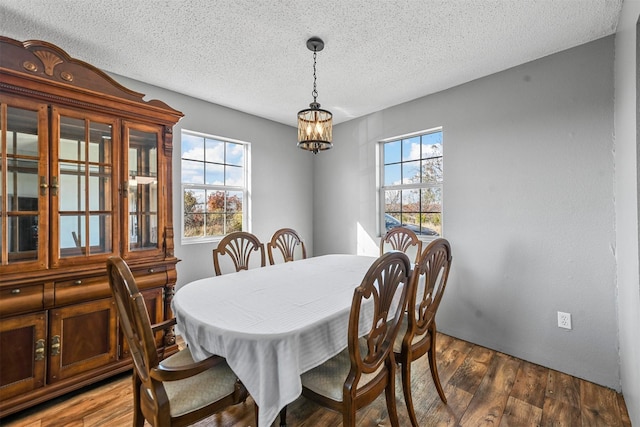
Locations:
(404, 324)
(328, 379)
(200, 390)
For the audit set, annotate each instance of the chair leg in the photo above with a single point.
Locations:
(406, 389)
(433, 366)
(138, 417)
(390, 395)
(348, 414)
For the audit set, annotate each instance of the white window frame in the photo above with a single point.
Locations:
(246, 189)
(412, 186)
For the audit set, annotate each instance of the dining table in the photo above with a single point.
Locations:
(272, 323)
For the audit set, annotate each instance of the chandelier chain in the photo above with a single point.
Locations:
(315, 92)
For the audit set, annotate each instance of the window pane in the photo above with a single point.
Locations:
(392, 201)
(194, 205)
(153, 158)
(411, 148)
(234, 176)
(234, 223)
(143, 153)
(23, 237)
(143, 191)
(193, 225)
(411, 200)
(72, 232)
(214, 151)
(143, 231)
(22, 185)
(215, 174)
(194, 201)
(432, 199)
(22, 132)
(392, 152)
(432, 222)
(392, 174)
(99, 188)
(215, 201)
(192, 147)
(411, 172)
(432, 170)
(152, 221)
(235, 154)
(100, 233)
(391, 220)
(72, 187)
(411, 220)
(192, 172)
(234, 202)
(72, 139)
(432, 145)
(133, 197)
(100, 143)
(215, 224)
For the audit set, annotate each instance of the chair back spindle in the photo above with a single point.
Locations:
(239, 247)
(286, 241)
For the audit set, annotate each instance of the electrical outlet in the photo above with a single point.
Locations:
(564, 320)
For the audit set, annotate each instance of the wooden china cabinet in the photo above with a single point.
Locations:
(85, 173)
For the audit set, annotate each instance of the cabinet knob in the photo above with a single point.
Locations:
(54, 185)
(15, 291)
(78, 282)
(39, 350)
(55, 345)
(43, 186)
(151, 270)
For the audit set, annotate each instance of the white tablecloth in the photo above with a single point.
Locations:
(272, 323)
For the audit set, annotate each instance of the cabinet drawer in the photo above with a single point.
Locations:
(150, 277)
(82, 289)
(20, 299)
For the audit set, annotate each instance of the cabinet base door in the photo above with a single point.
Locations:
(22, 354)
(82, 337)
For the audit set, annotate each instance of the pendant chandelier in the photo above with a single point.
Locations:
(314, 123)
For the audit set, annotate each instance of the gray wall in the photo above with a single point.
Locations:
(528, 206)
(280, 173)
(627, 212)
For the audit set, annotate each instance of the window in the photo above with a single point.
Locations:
(411, 177)
(214, 186)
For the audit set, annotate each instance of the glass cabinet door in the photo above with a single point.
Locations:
(23, 185)
(84, 198)
(144, 220)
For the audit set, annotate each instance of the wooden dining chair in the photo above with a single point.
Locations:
(239, 246)
(287, 240)
(402, 239)
(360, 373)
(417, 334)
(175, 391)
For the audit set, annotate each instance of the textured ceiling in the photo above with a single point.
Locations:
(251, 55)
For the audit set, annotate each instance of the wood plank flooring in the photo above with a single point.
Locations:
(483, 388)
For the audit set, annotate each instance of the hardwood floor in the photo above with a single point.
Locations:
(483, 388)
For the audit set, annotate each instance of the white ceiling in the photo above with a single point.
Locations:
(251, 55)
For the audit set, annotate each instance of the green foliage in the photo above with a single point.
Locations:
(221, 208)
